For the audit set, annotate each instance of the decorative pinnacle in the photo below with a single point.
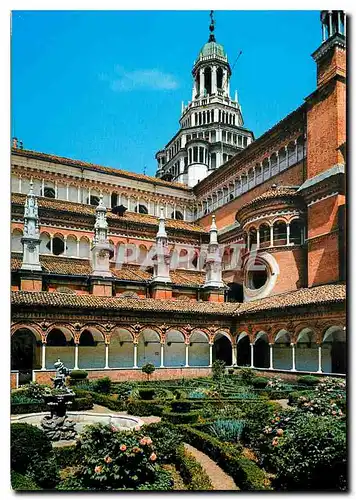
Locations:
(161, 226)
(212, 27)
(213, 231)
(31, 187)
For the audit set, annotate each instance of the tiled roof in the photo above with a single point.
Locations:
(339, 168)
(324, 294)
(128, 272)
(91, 166)
(83, 209)
(58, 300)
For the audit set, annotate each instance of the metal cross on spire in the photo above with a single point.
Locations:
(212, 27)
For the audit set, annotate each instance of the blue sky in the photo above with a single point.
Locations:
(107, 86)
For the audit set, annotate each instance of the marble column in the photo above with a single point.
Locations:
(251, 346)
(76, 356)
(271, 356)
(162, 356)
(106, 356)
(135, 356)
(43, 367)
(187, 355)
(320, 369)
(210, 354)
(293, 357)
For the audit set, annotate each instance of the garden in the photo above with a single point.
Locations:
(264, 433)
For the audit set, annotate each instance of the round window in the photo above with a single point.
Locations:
(256, 279)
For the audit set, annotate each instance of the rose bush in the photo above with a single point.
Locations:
(113, 460)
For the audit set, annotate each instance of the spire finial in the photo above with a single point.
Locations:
(212, 27)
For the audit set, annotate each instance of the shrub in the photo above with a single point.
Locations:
(112, 460)
(123, 389)
(181, 405)
(148, 368)
(20, 482)
(227, 430)
(191, 471)
(310, 453)
(142, 408)
(295, 395)
(230, 371)
(180, 394)
(246, 375)
(146, 394)
(181, 418)
(259, 382)
(102, 385)
(27, 442)
(77, 376)
(67, 456)
(308, 380)
(218, 369)
(84, 403)
(44, 471)
(246, 473)
(166, 437)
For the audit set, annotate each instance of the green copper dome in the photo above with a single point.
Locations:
(212, 49)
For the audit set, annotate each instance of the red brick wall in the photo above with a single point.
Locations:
(323, 260)
(104, 290)
(225, 215)
(13, 380)
(326, 131)
(30, 285)
(292, 265)
(44, 377)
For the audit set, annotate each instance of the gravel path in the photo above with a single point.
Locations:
(219, 479)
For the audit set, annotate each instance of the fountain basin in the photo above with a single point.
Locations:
(81, 419)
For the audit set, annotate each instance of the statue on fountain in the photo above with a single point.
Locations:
(61, 373)
(57, 425)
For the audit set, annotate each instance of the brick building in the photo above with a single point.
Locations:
(111, 269)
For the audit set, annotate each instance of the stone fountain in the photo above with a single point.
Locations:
(57, 425)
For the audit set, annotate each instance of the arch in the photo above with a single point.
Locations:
(141, 208)
(253, 237)
(177, 214)
(265, 235)
(306, 353)
(60, 345)
(33, 328)
(91, 349)
(84, 247)
(207, 80)
(148, 348)
(121, 349)
(243, 355)
(219, 78)
(222, 348)
(58, 244)
(282, 351)
(93, 200)
(142, 254)
(199, 348)
(45, 245)
(279, 233)
(16, 244)
(334, 358)
(71, 245)
(174, 348)
(25, 350)
(295, 231)
(261, 350)
(49, 192)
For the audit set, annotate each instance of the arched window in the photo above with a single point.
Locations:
(16, 245)
(94, 200)
(142, 209)
(86, 339)
(279, 233)
(49, 192)
(57, 245)
(219, 78)
(264, 235)
(295, 235)
(177, 215)
(207, 80)
(253, 237)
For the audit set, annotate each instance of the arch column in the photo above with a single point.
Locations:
(65, 245)
(43, 357)
(51, 243)
(135, 355)
(251, 346)
(106, 356)
(320, 370)
(202, 82)
(78, 248)
(162, 355)
(234, 354)
(293, 357)
(288, 234)
(271, 235)
(211, 344)
(187, 354)
(270, 356)
(76, 356)
(258, 238)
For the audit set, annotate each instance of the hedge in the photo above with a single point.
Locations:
(142, 408)
(110, 402)
(181, 418)
(294, 396)
(80, 403)
(246, 474)
(19, 482)
(193, 474)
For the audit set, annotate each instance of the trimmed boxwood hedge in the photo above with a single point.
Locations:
(142, 408)
(181, 418)
(67, 456)
(294, 396)
(246, 473)
(193, 474)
